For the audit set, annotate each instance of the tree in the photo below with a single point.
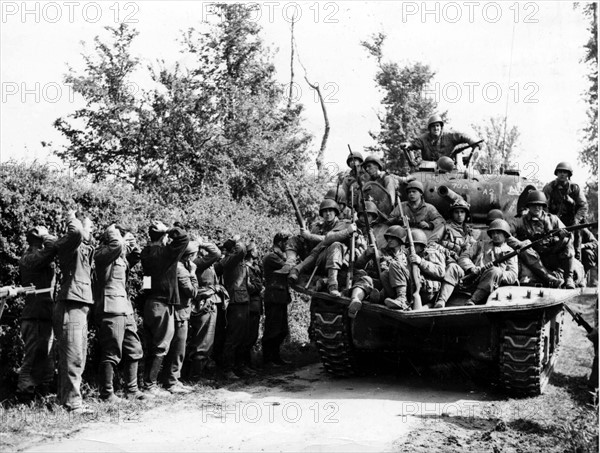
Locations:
(406, 107)
(501, 144)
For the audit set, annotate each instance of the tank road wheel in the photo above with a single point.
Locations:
(332, 337)
(528, 352)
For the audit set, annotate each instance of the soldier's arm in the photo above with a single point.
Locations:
(73, 237)
(111, 250)
(314, 234)
(41, 258)
(547, 191)
(212, 256)
(434, 218)
(273, 261)
(178, 244)
(188, 285)
(512, 268)
(340, 235)
(234, 258)
(461, 137)
(438, 233)
(390, 187)
(465, 260)
(581, 205)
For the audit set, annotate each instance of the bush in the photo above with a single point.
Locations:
(35, 195)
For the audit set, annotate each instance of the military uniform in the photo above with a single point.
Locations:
(235, 277)
(423, 212)
(75, 258)
(555, 252)
(432, 148)
(454, 237)
(482, 253)
(566, 201)
(37, 268)
(160, 262)
(255, 309)
(394, 273)
(117, 334)
(203, 321)
(277, 297)
(301, 247)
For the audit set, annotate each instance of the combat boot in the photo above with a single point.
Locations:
(332, 282)
(444, 294)
(479, 297)
(356, 299)
(106, 377)
(569, 282)
(400, 302)
(540, 271)
(132, 391)
(151, 377)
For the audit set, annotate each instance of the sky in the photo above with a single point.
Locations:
(522, 59)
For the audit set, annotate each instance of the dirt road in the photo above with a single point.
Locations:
(306, 410)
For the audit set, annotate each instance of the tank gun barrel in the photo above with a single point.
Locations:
(449, 194)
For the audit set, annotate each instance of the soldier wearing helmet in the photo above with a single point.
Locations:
(348, 179)
(277, 297)
(420, 214)
(394, 275)
(375, 170)
(566, 200)
(479, 257)
(455, 234)
(439, 274)
(437, 142)
(339, 195)
(555, 252)
(37, 268)
(330, 252)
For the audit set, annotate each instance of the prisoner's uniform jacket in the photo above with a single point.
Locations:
(160, 263)
(207, 308)
(235, 279)
(37, 268)
(255, 309)
(423, 212)
(484, 252)
(554, 252)
(277, 297)
(75, 258)
(117, 332)
(431, 149)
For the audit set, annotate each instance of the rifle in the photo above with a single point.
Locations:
(5, 293)
(370, 235)
(579, 319)
(415, 272)
(352, 245)
(469, 279)
(299, 217)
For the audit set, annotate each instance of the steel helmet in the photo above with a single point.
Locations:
(355, 155)
(419, 236)
(329, 204)
(565, 166)
(341, 195)
(370, 208)
(445, 163)
(435, 119)
(281, 236)
(495, 214)
(397, 232)
(537, 197)
(417, 185)
(373, 159)
(499, 225)
(460, 204)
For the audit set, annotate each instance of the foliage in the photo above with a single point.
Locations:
(221, 121)
(34, 195)
(501, 142)
(406, 108)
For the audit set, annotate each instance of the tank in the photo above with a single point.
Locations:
(516, 335)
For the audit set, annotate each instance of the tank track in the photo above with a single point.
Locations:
(528, 352)
(332, 336)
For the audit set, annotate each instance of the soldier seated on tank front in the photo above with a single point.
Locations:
(330, 251)
(374, 167)
(479, 259)
(439, 274)
(394, 273)
(555, 252)
(420, 214)
(339, 195)
(455, 234)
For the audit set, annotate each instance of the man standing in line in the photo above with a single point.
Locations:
(75, 257)
(37, 268)
(117, 334)
(159, 261)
